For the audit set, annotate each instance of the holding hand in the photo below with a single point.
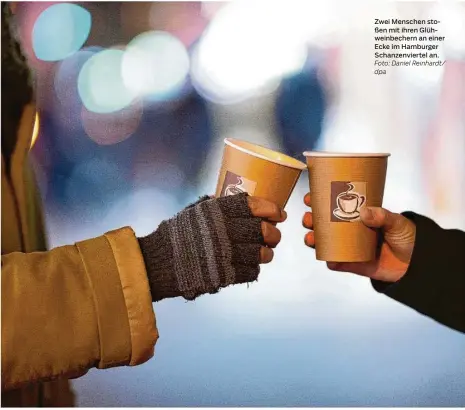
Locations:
(398, 239)
(211, 244)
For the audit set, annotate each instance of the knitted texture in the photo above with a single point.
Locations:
(209, 245)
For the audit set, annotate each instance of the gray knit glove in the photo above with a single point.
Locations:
(209, 245)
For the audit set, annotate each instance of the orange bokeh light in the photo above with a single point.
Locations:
(35, 131)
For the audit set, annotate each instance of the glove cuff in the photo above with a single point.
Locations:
(158, 257)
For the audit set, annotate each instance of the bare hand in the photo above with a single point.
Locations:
(272, 214)
(396, 249)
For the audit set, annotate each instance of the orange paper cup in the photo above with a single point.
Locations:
(340, 185)
(257, 170)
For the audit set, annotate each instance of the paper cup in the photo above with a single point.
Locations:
(340, 185)
(257, 170)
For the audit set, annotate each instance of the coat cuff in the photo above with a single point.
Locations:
(110, 308)
(136, 293)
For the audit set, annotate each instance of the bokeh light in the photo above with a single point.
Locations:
(155, 65)
(208, 9)
(452, 17)
(98, 179)
(244, 50)
(182, 19)
(101, 85)
(67, 73)
(60, 30)
(112, 128)
(69, 104)
(35, 130)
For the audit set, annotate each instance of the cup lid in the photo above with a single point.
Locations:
(327, 154)
(265, 153)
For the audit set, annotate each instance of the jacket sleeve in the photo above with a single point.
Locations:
(75, 307)
(434, 284)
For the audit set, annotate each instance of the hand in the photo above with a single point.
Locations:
(211, 244)
(398, 239)
(272, 213)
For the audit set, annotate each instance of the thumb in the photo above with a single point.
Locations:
(375, 217)
(399, 232)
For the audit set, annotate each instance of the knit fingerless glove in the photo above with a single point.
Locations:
(209, 245)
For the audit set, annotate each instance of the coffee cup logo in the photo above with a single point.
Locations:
(234, 189)
(347, 198)
(235, 184)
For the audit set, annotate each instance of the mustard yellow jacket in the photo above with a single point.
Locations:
(69, 309)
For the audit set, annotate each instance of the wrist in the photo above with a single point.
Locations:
(158, 257)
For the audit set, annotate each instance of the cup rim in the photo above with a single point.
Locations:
(328, 154)
(232, 142)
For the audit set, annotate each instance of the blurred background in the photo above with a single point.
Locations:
(135, 100)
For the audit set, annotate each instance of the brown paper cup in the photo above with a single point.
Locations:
(340, 185)
(259, 171)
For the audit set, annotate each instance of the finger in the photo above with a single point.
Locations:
(359, 268)
(307, 220)
(307, 200)
(245, 230)
(266, 255)
(271, 234)
(376, 217)
(266, 209)
(246, 254)
(309, 239)
(398, 231)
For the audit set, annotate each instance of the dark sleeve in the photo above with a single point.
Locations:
(434, 284)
